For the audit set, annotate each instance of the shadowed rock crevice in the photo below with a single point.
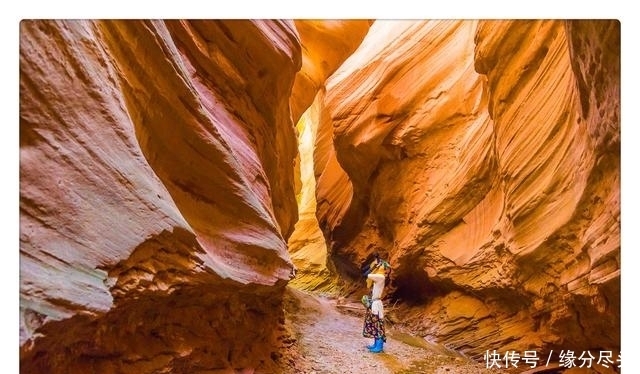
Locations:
(192, 329)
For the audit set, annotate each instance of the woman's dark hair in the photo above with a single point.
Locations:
(366, 266)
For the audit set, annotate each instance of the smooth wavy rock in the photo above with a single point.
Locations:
(156, 193)
(482, 159)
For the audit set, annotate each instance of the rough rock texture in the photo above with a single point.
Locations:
(404, 109)
(156, 194)
(482, 159)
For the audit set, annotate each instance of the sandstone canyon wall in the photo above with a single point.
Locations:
(482, 159)
(307, 245)
(156, 193)
(160, 178)
(325, 45)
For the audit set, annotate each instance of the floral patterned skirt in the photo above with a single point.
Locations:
(373, 326)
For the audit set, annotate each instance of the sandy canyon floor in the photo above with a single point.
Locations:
(326, 337)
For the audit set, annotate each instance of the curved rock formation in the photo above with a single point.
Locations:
(482, 159)
(228, 163)
(403, 111)
(156, 193)
(325, 46)
(158, 184)
(307, 245)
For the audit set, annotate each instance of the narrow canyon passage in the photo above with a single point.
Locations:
(198, 196)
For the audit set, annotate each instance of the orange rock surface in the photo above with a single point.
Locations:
(325, 46)
(307, 246)
(161, 180)
(482, 159)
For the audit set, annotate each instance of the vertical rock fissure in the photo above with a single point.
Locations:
(307, 244)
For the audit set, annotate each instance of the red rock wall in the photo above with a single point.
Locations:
(482, 159)
(156, 193)
(402, 114)
(229, 160)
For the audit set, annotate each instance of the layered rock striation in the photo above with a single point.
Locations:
(160, 180)
(156, 193)
(482, 159)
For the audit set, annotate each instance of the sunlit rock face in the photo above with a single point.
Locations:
(482, 159)
(307, 245)
(156, 194)
(325, 46)
(403, 111)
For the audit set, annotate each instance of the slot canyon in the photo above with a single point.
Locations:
(190, 188)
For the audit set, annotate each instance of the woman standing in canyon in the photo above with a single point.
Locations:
(376, 274)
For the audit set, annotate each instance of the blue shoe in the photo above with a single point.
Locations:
(377, 348)
(372, 345)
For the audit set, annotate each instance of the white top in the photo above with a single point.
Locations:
(377, 308)
(378, 285)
